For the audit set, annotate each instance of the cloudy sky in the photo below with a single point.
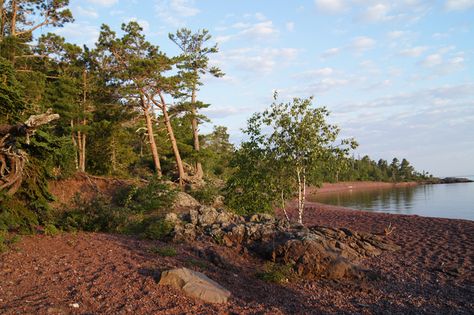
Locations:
(397, 75)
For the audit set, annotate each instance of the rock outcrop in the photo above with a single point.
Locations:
(313, 252)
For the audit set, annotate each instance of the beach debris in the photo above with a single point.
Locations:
(195, 284)
(389, 229)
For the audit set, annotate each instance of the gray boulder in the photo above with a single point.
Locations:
(195, 284)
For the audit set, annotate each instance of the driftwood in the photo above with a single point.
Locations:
(12, 159)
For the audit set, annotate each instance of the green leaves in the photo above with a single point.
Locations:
(289, 145)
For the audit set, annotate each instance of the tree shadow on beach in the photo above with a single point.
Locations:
(248, 292)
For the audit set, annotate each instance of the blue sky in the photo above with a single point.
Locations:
(396, 75)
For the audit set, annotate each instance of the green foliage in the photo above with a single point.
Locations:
(135, 210)
(164, 251)
(365, 169)
(250, 189)
(155, 197)
(217, 152)
(7, 240)
(11, 100)
(51, 230)
(276, 273)
(16, 216)
(197, 263)
(207, 194)
(151, 227)
(289, 146)
(94, 216)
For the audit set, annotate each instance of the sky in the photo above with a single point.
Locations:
(398, 76)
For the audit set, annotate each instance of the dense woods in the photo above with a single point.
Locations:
(127, 109)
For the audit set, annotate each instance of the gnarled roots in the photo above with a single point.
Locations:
(12, 164)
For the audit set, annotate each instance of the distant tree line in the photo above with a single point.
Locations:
(366, 169)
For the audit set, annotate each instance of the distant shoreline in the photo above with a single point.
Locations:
(362, 185)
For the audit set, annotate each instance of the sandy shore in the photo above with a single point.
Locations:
(345, 186)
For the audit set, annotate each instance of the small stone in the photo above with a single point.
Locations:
(74, 305)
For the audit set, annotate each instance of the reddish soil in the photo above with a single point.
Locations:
(87, 186)
(433, 273)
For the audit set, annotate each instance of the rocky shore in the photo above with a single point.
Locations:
(84, 273)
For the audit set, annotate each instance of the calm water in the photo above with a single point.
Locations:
(445, 200)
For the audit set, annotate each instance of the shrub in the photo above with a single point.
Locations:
(7, 240)
(206, 195)
(16, 216)
(158, 229)
(93, 216)
(276, 273)
(154, 196)
(164, 251)
(51, 229)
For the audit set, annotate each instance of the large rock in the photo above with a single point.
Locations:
(195, 284)
(315, 251)
(183, 201)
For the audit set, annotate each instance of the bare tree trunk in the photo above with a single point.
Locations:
(83, 153)
(113, 156)
(13, 21)
(283, 206)
(2, 19)
(301, 193)
(79, 148)
(151, 137)
(174, 144)
(194, 123)
(73, 136)
(82, 150)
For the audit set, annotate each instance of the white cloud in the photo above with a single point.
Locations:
(413, 51)
(260, 17)
(88, 12)
(290, 26)
(376, 13)
(327, 71)
(362, 43)
(222, 112)
(432, 60)
(256, 60)
(330, 52)
(331, 6)
(396, 34)
(261, 30)
(174, 11)
(454, 5)
(79, 33)
(104, 3)
(183, 7)
(257, 31)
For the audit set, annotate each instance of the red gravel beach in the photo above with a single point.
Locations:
(89, 273)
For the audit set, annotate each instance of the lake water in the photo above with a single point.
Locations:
(454, 201)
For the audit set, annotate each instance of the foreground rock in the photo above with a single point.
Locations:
(313, 252)
(195, 284)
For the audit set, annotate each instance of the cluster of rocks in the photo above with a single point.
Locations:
(313, 252)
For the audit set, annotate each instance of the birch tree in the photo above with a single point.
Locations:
(295, 143)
